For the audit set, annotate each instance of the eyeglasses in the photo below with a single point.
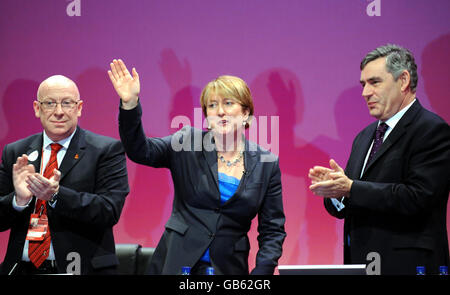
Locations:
(50, 105)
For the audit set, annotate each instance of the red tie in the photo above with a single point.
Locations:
(38, 250)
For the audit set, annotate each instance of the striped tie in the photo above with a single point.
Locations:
(378, 141)
(38, 251)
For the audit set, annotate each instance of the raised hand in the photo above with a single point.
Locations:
(126, 85)
(21, 171)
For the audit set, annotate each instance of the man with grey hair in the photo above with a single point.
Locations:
(61, 191)
(394, 190)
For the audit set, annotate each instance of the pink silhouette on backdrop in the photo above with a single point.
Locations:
(311, 232)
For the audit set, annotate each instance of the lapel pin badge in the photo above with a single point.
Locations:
(33, 156)
(76, 156)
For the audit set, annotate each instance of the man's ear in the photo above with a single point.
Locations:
(37, 107)
(79, 108)
(405, 80)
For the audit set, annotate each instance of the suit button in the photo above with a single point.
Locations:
(217, 210)
(212, 236)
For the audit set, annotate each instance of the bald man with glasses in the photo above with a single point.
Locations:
(61, 191)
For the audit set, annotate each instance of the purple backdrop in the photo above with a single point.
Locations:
(300, 58)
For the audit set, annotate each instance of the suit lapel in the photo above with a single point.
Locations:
(362, 148)
(250, 157)
(74, 153)
(35, 148)
(399, 130)
(211, 157)
(250, 161)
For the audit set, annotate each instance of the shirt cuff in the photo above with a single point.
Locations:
(338, 204)
(17, 207)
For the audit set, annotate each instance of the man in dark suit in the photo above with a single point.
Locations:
(73, 203)
(393, 193)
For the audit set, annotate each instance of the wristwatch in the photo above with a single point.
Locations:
(53, 199)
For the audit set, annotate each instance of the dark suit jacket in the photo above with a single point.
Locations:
(398, 208)
(198, 220)
(93, 188)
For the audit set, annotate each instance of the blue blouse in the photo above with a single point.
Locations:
(227, 187)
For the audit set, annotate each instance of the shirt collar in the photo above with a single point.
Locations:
(64, 142)
(392, 121)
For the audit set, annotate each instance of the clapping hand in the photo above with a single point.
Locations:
(330, 182)
(21, 170)
(42, 187)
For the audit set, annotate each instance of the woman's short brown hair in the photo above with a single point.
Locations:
(228, 87)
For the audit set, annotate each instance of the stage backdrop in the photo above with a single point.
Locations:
(300, 59)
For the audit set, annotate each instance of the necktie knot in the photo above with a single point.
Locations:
(52, 162)
(55, 147)
(381, 130)
(379, 134)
